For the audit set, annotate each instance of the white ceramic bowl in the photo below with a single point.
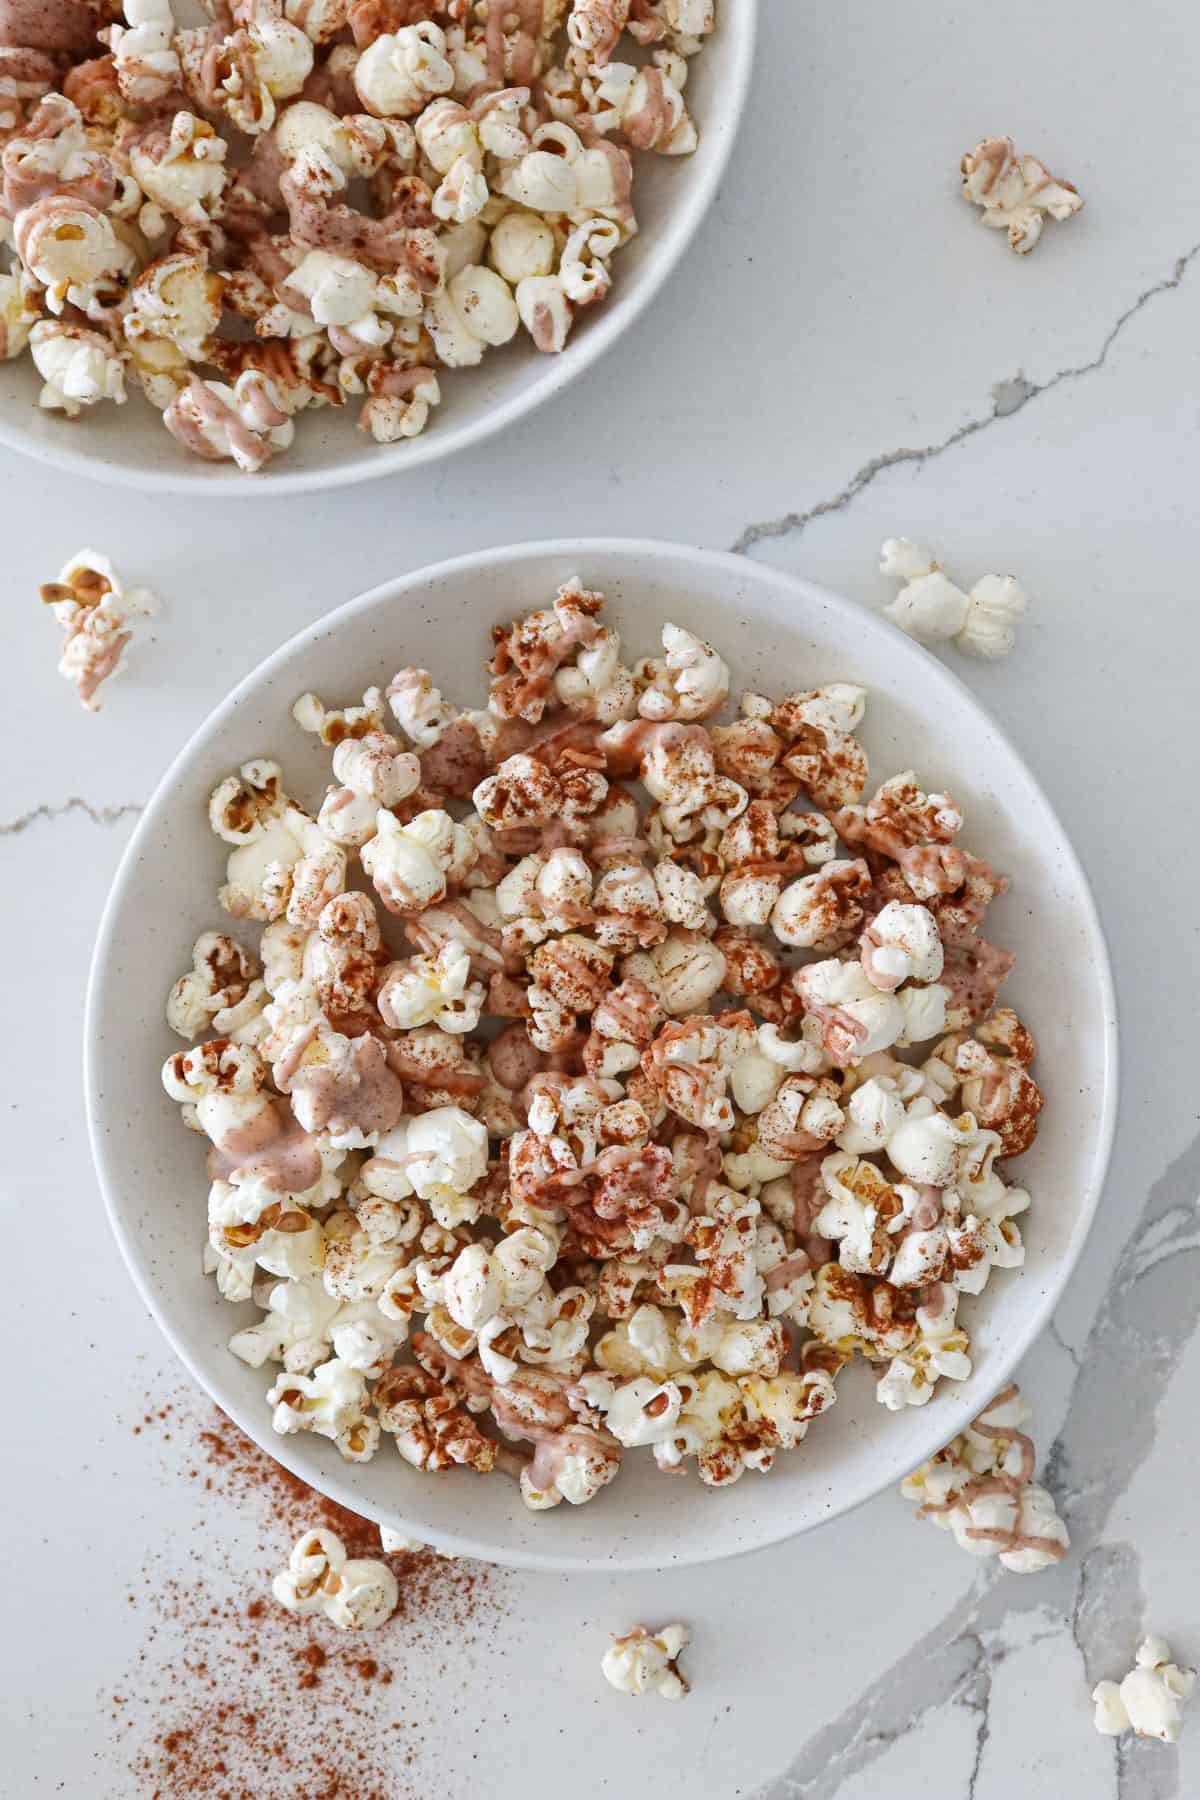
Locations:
(778, 634)
(129, 444)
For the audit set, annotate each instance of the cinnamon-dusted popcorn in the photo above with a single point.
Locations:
(639, 1215)
(821, 911)
(930, 608)
(1151, 1698)
(642, 1662)
(820, 748)
(221, 992)
(981, 1488)
(442, 181)
(1015, 194)
(96, 613)
(353, 1593)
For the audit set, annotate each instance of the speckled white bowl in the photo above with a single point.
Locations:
(777, 634)
(129, 445)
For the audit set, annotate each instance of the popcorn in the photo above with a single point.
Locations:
(432, 991)
(646, 106)
(400, 71)
(928, 1147)
(145, 61)
(353, 1593)
(608, 1224)
(180, 167)
(245, 422)
(476, 309)
(331, 1402)
(71, 250)
(432, 1431)
(96, 613)
(1015, 194)
(821, 751)
(856, 1018)
(1151, 1698)
(177, 298)
(78, 367)
(412, 865)
(821, 910)
(931, 609)
(641, 1663)
(939, 1348)
(483, 213)
(418, 708)
(690, 683)
(281, 861)
(264, 62)
(981, 1488)
(19, 314)
(215, 991)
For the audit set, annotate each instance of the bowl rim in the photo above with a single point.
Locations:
(929, 1434)
(612, 320)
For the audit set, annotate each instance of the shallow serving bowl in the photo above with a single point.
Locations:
(778, 634)
(130, 445)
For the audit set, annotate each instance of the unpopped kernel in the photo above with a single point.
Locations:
(539, 1135)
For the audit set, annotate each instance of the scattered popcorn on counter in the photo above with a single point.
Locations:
(1151, 1698)
(353, 1593)
(1015, 194)
(981, 1488)
(931, 609)
(642, 1662)
(96, 613)
(272, 212)
(540, 1137)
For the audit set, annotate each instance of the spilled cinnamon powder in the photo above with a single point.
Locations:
(233, 1698)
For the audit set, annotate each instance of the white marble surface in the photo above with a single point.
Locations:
(845, 355)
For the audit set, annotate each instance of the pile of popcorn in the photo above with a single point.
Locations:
(314, 202)
(657, 1106)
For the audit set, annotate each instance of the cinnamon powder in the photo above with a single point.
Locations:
(233, 1698)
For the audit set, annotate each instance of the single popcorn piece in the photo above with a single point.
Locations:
(931, 609)
(353, 1593)
(596, 1102)
(981, 1488)
(1151, 1698)
(96, 613)
(245, 422)
(1015, 194)
(332, 1402)
(144, 56)
(690, 683)
(642, 1662)
(412, 865)
(79, 368)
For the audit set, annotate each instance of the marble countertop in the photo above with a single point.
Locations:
(845, 355)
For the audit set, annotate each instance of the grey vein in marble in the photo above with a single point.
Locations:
(99, 815)
(1133, 1347)
(1009, 397)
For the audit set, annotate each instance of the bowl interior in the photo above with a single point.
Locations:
(777, 634)
(129, 444)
